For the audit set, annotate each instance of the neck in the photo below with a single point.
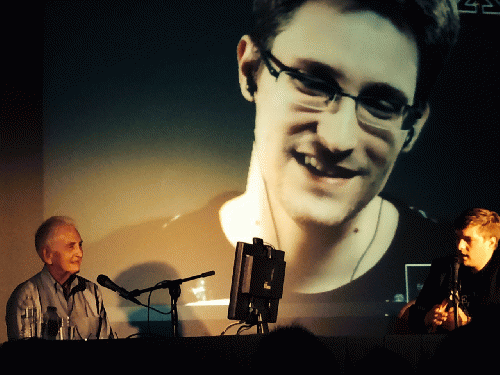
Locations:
(60, 276)
(321, 258)
(482, 265)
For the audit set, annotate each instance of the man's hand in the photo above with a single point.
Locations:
(440, 316)
(449, 324)
(436, 316)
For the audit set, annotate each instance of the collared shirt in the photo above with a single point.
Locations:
(82, 305)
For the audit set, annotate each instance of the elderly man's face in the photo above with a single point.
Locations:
(324, 166)
(65, 251)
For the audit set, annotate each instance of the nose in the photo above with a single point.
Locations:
(79, 250)
(462, 246)
(338, 126)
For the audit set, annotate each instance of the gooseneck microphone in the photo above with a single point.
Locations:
(106, 282)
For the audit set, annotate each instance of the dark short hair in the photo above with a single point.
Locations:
(46, 229)
(433, 23)
(488, 222)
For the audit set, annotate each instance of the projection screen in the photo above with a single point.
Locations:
(147, 135)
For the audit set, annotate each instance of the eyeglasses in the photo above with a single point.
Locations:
(314, 93)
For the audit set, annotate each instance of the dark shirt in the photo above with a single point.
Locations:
(366, 304)
(194, 243)
(478, 291)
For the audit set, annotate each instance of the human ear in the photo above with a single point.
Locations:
(417, 128)
(248, 63)
(46, 255)
(494, 242)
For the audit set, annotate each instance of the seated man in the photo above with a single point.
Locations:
(57, 287)
(474, 280)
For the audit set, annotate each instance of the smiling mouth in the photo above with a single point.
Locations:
(320, 168)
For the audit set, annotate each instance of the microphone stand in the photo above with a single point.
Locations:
(455, 305)
(174, 289)
(455, 298)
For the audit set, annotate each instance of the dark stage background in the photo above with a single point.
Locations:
(143, 121)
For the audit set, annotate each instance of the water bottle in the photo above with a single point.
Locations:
(29, 319)
(51, 324)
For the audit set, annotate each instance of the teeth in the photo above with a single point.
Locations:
(313, 162)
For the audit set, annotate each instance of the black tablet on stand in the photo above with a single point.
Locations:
(257, 284)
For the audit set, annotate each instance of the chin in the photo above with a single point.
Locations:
(321, 211)
(74, 270)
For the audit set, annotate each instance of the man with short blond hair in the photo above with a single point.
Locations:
(472, 275)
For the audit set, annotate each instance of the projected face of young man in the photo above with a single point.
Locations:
(323, 167)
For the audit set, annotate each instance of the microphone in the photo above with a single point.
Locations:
(456, 266)
(454, 290)
(108, 283)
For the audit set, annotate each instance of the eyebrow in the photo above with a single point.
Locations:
(319, 69)
(329, 74)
